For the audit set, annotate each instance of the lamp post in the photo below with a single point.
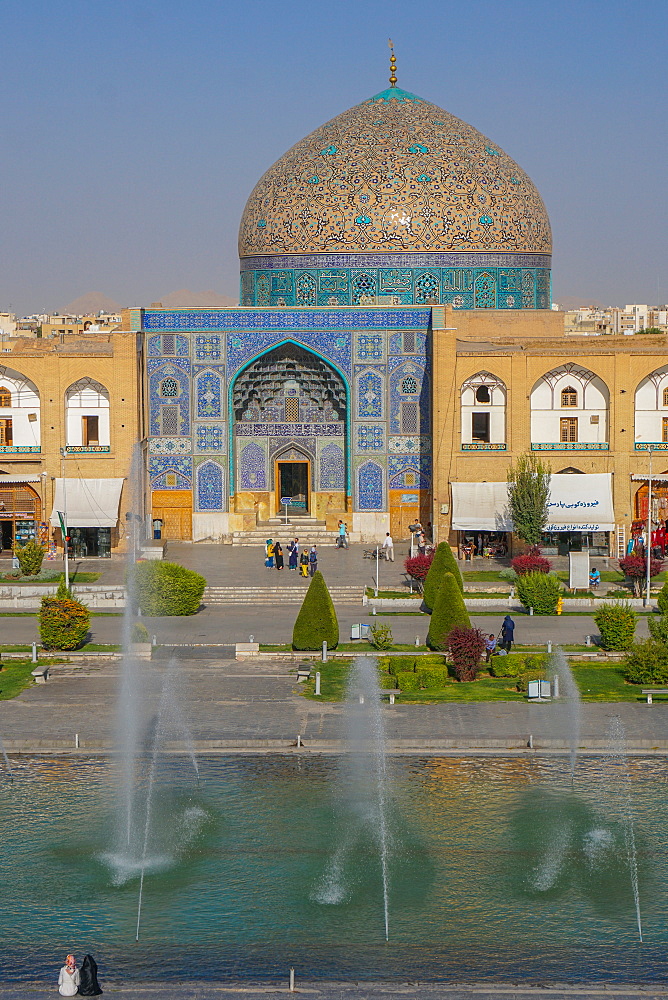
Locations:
(648, 539)
(63, 518)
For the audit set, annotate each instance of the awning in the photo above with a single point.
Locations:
(18, 479)
(576, 503)
(87, 503)
(480, 507)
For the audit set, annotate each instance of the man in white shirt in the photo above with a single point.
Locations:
(388, 547)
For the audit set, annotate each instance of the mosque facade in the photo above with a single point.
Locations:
(319, 388)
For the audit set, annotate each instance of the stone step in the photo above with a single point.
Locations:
(276, 595)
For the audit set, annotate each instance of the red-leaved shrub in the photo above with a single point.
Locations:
(466, 647)
(531, 562)
(417, 567)
(635, 568)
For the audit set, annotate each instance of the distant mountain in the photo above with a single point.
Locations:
(185, 299)
(567, 302)
(92, 303)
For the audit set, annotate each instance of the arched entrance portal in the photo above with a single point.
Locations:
(289, 412)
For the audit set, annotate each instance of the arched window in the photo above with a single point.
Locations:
(665, 398)
(569, 396)
(5, 396)
(482, 394)
(169, 388)
(87, 415)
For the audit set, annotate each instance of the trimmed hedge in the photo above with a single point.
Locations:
(30, 557)
(139, 633)
(443, 562)
(662, 599)
(517, 664)
(396, 664)
(539, 591)
(316, 622)
(419, 680)
(449, 610)
(63, 624)
(617, 625)
(165, 588)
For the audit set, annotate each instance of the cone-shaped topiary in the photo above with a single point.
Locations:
(443, 562)
(316, 622)
(449, 610)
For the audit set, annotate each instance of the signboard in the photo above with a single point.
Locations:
(360, 631)
(286, 501)
(578, 570)
(409, 498)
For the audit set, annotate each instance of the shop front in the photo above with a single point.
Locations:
(580, 516)
(20, 512)
(89, 508)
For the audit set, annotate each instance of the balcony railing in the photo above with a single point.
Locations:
(78, 449)
(19, 449)
(482, 446)
(654, 445)
(570, 446)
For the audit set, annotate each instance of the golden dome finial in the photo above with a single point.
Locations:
(393, 64)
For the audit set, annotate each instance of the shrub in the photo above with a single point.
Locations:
(63, 624)
(539, 591)
(466, 647)
(397, 664)
(30, 557)
(508, 574)
(316, 622)
(64, 593)
(139, 633)
(517, 664)
(647, 663)
(617, 624)
(531, 562)
(443, 562)
(449, 611)
(635, 568)
(658, 628)
(427, 679)
(417, 567)
(407, 680)
(662, 599)
(381, 637)
(165, 588)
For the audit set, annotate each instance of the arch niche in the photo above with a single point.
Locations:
(289, 415)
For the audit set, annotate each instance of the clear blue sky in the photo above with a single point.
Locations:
(133, 131)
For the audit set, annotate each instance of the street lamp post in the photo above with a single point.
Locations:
(648, 539)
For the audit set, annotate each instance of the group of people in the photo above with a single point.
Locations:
(502, 643)
(84, 982)
(419, 536)
(305, 560)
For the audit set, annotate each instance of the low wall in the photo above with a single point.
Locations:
(27, 597)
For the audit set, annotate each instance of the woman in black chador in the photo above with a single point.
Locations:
(88, 984)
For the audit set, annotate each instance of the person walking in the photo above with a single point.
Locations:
(269, 554)
(303, 563)
(68, 980)
(507, 633)
(293, 549)
(388, 547)
(342, 541)
(278, 555)
(313, 561)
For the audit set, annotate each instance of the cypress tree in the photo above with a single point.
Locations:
(449, 610)
(316, 622)
(443, 562)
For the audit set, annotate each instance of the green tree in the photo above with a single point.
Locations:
(443, 562)
(449, 610)
(528, 492)
(316, 622)
(539, 591)
(617, 624)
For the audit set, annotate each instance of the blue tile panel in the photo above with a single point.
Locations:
(287, 320)
(370, 492)
(332, 468)
(253, 467)
(473, 287)
(210, 486)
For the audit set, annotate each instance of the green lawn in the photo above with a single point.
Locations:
(600, 682)
(14, 678)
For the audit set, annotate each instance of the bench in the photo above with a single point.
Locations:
(391, 694)
(650, 691)
(41, 674)
(303, 673)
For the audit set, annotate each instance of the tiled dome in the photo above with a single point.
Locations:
(397, 175)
